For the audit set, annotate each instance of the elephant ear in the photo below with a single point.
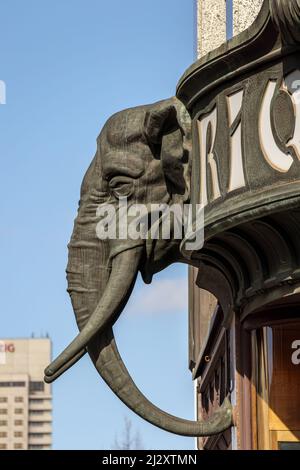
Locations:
(168, 132)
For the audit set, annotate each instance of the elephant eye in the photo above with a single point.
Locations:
(121, 186)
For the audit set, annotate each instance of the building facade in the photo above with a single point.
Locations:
(246, 346)
(25, 400)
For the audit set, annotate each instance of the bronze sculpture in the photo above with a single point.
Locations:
(143, 154)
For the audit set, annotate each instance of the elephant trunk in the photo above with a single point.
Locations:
(109, 364)
(122, 277)
(97, 337)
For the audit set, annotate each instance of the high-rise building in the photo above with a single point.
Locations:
(25, 400)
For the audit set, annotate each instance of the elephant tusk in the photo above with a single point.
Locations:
(67, 366)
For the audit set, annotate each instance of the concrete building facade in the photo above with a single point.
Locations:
(218, 19)
(25, 400)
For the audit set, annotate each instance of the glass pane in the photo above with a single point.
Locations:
(277, 360)
(284, 378)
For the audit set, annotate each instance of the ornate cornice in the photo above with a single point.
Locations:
(286, 16)
(274, 34)
(248, 266)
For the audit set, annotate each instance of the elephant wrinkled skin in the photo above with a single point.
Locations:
(142, 154)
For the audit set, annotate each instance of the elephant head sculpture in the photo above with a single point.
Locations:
(143, 155)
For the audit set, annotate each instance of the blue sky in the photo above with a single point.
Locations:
(68, 65)
(229, 19)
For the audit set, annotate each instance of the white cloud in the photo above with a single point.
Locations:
(162, 296)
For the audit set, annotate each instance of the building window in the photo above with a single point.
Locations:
(3, 446)
(35, 423)
(19, 411)
(277, 379)
(3, 400)
(18, 422)
(36, 400)
(37, 447)
(39, 434)
(229, 19)
(19, 399)
(18, 434)
(12, 384)
(36, 386)
(3, 423)
(36, 412)
(3, 434)
(3, 411)
(18, 446)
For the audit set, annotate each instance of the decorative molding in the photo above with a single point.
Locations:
(274, 34)
(252, 261)
(239, 55)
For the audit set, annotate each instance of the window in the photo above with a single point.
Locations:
(3, 446)
(3, 400)
(19, 399)
(18, 422)
(18, 434)
(214, 383)
(35, 423)
(36, 447)
(18, 411)
(229, 19)
(39, 434)
(36, 386)
(36, 412)
(3, 411)
(3, 423)
(3, 434)
(12, 384)
(18, 446)
(36, 400)
(277, 383)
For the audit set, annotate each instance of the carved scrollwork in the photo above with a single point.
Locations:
(286, 16)
(249, 266)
